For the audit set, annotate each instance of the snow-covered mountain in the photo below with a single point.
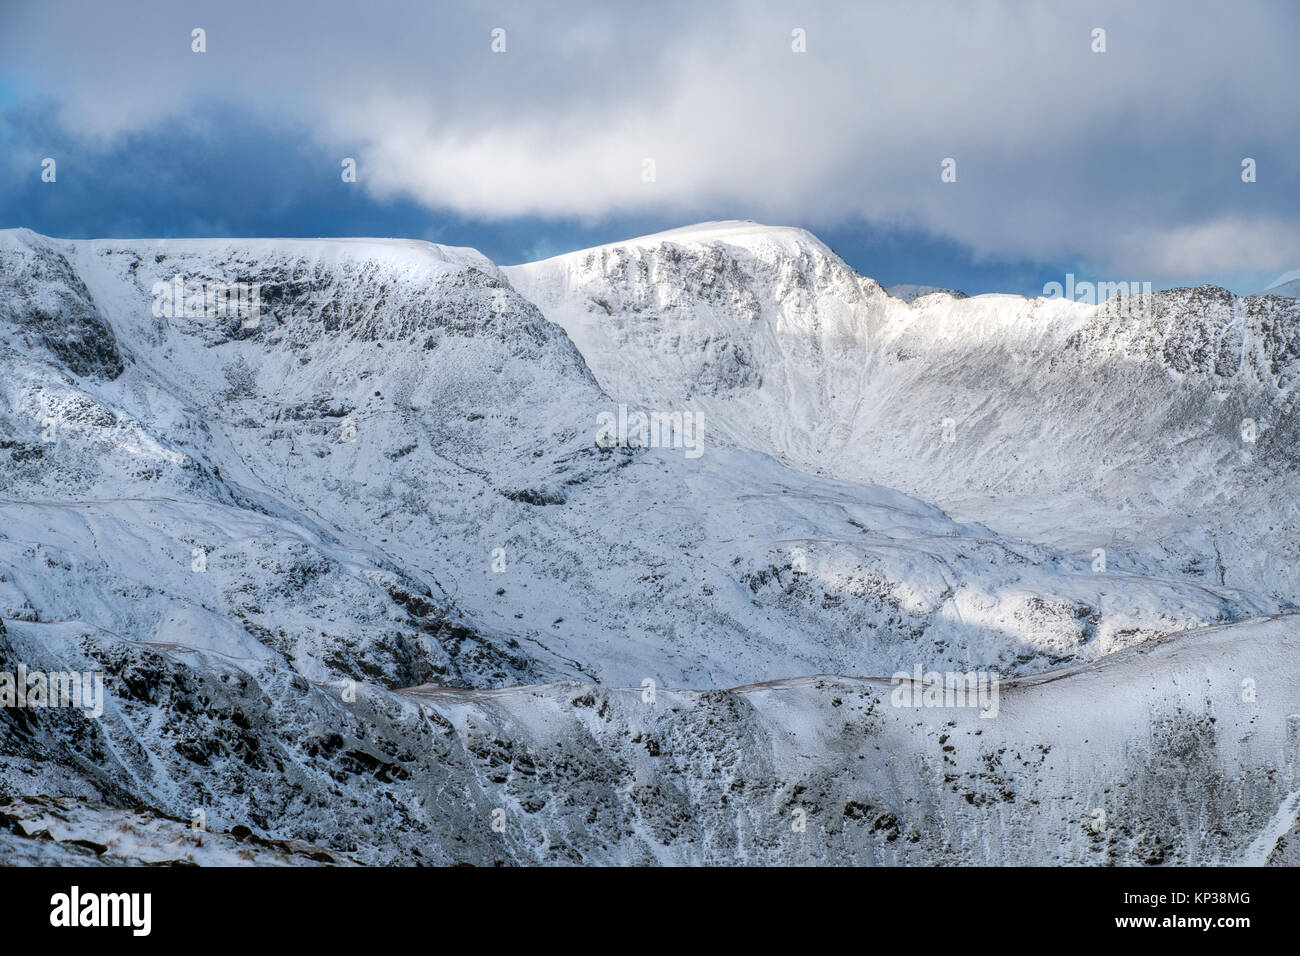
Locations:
(363, 569)
(1158, 427)
(1287, 285)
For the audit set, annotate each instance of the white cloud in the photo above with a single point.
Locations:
(1127, 158)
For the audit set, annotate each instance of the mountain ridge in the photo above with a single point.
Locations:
(804, 360)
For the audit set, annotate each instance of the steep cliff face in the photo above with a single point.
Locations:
(44, 302)
(337, 523)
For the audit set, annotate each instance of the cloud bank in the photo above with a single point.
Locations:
(1128, 159)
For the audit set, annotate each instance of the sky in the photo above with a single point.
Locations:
(1122, 164)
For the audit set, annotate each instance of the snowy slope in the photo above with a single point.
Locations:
(1155, 756)
(58, 831)
(1117, 426)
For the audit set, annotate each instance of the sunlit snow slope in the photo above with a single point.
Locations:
(1161, 428)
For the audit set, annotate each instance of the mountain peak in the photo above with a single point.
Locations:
(737, 232)
(1287, 284)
